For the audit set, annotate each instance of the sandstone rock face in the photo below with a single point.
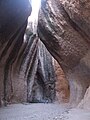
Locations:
(79, 12)
(62, 85)
(26, 70)
(13, 22)
(64, 27)
(43, 88)
(85, 103)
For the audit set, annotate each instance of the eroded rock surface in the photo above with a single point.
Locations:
(85, 102)
(43, 89)
(64, 27)
(26, 68)
(62, 86)
(13, 22)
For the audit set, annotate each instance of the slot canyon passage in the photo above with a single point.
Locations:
(45, 60)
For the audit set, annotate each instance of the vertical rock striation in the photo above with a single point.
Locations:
(64, 27)
(26, 67)
(13, 50)
(26, 70)
(43, 88)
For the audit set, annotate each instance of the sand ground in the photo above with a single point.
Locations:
(42, 112)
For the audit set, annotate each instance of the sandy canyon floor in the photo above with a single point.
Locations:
(42, 112)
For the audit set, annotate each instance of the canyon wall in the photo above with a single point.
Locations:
(13, 22)
(26, 66)
(61, 85)
(64, 27)
(43, 88)
(26, 71)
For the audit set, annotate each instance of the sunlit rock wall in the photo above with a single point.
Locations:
(26, 71)
(43, 88)
(64, 27)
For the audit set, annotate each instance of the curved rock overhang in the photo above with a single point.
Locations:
(64, 27)
(13, 22)
(21, 57)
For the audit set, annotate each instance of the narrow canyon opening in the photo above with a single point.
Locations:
(49, 83)
(44, 60)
